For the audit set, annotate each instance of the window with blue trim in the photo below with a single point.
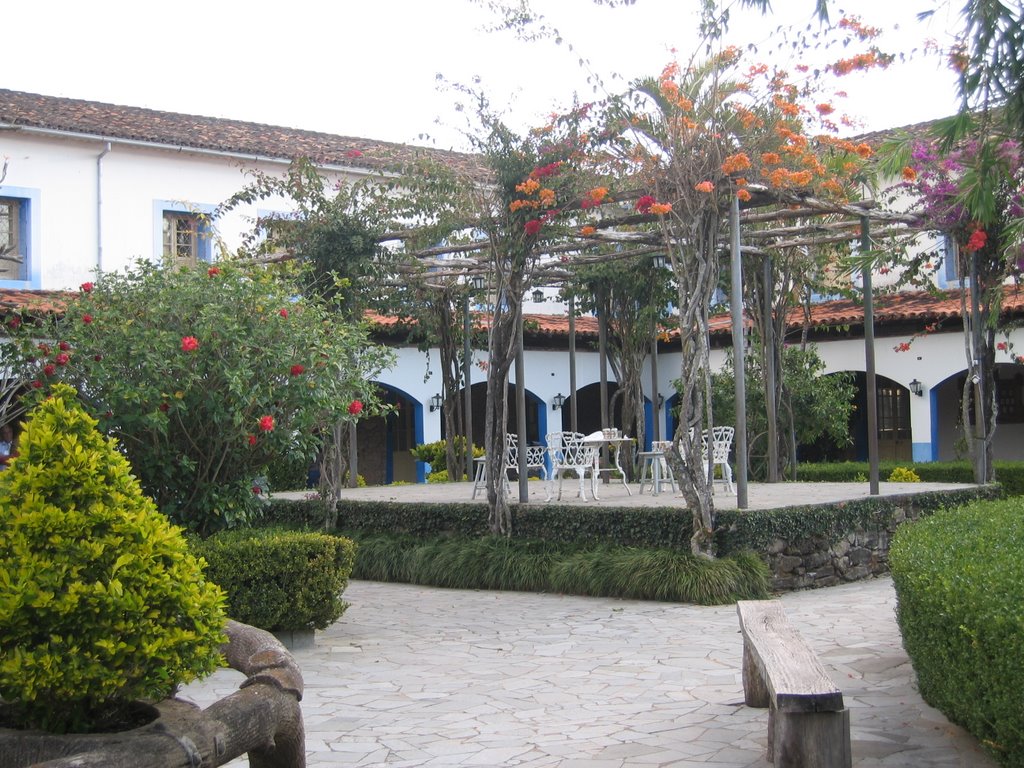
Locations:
(14, 237)
(184, 235)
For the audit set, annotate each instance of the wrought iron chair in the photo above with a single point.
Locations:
(570, 452)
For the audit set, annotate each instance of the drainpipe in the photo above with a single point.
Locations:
(99, 207)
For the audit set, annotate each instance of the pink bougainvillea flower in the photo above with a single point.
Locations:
(532, 227)
(213, 271)
(643, 205)
(252, 439)
(189, 343)
(355, 407)
(49, 369)
(87, 318)
(86, 287)
(297, 369)
(266, 423)
(704, 186)
(61, 359)
(283, 313)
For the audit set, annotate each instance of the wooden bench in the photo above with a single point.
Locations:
(808, 726)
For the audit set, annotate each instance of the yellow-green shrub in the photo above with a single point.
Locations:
(100, 600)
(904, 475)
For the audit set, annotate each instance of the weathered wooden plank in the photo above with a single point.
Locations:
(789, 668)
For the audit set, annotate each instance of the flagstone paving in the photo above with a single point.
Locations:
(418, 676)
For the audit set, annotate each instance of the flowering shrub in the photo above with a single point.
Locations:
(202, 382)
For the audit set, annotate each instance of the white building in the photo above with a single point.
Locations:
(95, 186)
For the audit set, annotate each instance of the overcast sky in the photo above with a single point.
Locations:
(370, 69)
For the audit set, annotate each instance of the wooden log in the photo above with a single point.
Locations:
(262, 719)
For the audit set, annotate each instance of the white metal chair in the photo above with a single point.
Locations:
(721, 444)
(535, 455)
(570, 452)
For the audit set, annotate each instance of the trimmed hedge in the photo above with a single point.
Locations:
(959, 579)
(1009, 474)
(277, 579)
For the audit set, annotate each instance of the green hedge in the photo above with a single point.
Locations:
(1009, 474)
(494, 562)
(280, 580)
(959, 579)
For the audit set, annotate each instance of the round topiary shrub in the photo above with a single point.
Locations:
(101, 602)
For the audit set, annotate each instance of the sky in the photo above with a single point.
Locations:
(378, 69)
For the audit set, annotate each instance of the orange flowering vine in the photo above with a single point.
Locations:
(704, 186)
(734, 163)
(660, 209)
(587, 231)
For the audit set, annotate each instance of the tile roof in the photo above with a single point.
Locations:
(893, 308)
(114, 122)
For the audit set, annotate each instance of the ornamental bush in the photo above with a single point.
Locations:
(959, 579)
(101, 602)
(207, 377)
(278, 579)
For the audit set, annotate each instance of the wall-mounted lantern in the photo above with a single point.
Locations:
(435, 403)
(557, 401)
(659, 260)
(478, 282)
(538, 296)
(916, 387)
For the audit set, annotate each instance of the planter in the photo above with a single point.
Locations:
(262, 719)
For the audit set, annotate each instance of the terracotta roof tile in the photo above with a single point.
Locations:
(113, 122)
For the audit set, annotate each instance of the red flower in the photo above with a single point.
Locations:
(97, 358)
(283, 313)
(532, 227)
(252, 439)
(1001, 346)
(37, 384)
(976, 241)
(44, 348)
(296, 370)
(256, 489)
(86, 287)
(61, 359)
(213, 271)
(266, 423)
(355, 407)
(14, 322)
(49, 369)
(189, 343)
(353, 153)
(164, 407)
(644, 203)
(63, 346)
(86, 318)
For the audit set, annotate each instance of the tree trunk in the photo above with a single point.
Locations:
(262, 718)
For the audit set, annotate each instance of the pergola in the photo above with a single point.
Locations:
(781, 218)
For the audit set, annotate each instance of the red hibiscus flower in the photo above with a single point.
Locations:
(1001, 346)
(976, 241)
(165, 407)
(532, 227)
(87, 318)
(213, 271)
(283, 313)
(643, 205)
(297, 370)
(252, 439)
(97, 358)
(13, 323)
(189, 343)
(86, 287)
(355, 407)
(266, 423)
(256, 489)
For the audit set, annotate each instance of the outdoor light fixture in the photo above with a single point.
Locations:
(538, 295)
(916, 387)
(557, 401)
(479, 283)
(660, 261)
(435, 403)
(661, 402)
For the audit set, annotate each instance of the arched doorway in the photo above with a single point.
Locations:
(384, 442)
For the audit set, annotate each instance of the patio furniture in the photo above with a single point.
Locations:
(614, 440)
(654, 470)
(721, 444)
(570, 452)
(535, 455)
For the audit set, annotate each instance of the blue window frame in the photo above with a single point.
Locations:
(19, 223)
(184, 233)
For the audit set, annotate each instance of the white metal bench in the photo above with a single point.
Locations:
(808, 726)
